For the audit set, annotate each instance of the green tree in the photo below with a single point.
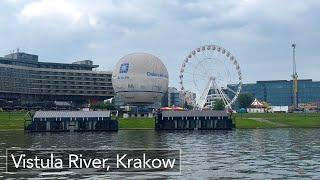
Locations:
(187, 106)
(218, 105)
(245, 100)
(103, 106)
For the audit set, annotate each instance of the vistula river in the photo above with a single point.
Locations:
(239, 154)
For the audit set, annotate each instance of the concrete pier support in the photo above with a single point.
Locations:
(90, 125)
(48, 128)
(76, 124)
(71, 126)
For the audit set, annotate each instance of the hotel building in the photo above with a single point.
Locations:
(25, 80)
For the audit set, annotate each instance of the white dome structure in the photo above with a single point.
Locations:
(140, 78)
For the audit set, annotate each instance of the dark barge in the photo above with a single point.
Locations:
(193, 120)
(69, 121)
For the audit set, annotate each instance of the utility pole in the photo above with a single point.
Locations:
(294, 78)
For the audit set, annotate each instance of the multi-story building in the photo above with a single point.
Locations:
(172, 98)
(279, 92)
(23, 79)
(189, 98)
(212, 97)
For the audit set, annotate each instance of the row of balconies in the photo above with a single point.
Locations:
(64, 80)
(39, 82)
(71, 74)
(18, 72)
(56, 91)
(5, 81)
(86, 78)
(75, 87)
(28, 86)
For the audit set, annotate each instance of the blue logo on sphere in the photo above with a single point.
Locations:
(124, 68)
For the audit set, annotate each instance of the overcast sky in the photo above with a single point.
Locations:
(259, 33)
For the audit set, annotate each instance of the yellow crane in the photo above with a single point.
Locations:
(294, 78)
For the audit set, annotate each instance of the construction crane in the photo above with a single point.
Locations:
(294, 78)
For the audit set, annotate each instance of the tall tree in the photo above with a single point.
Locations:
(245, 100)
(218, 105)
(187, 106)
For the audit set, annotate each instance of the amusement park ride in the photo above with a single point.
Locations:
(207, 71)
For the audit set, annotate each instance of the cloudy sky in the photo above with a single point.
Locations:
(259, 33)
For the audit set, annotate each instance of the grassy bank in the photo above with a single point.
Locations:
(252, 124)
(136, 123)
(12, 120)
(245, 121)
(270, 120)
(15, 120)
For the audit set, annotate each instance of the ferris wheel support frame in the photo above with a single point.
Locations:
(203, 99)
(204, 95)
(224, 97)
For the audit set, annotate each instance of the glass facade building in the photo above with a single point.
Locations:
(24, 79)
(172, 98)
(279, 92)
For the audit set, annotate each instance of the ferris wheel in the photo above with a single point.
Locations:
(212, 73)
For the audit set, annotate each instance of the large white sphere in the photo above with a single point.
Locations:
(140, 78)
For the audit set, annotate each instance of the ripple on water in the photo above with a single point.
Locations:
(239, 154)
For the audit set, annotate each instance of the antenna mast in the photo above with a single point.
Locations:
(294, 78)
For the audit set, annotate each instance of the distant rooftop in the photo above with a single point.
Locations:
(194, 113)
(71, 114)
(31, 60)
(86, 62)
(275, 81)
(272, 81)
(22, 56)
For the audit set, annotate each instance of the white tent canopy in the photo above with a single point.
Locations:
(256, 103)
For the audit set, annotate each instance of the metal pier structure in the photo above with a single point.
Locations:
(193, 120)
(70, 121)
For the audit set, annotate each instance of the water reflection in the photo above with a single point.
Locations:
(261, 153)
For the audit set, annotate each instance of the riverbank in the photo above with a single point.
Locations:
(12, 120)
(15, 121)
(274, 120)
(136, 123)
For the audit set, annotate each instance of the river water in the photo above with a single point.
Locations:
(238, 154)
